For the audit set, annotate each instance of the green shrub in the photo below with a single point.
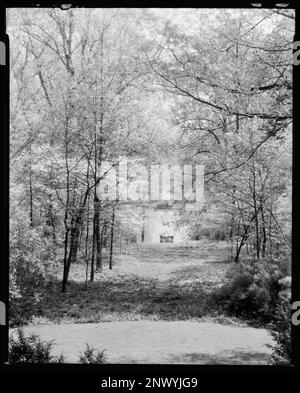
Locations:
(31, 262)
(211, 233)
(31, 350)
(282, 350)
(251, 290)
(92, 356)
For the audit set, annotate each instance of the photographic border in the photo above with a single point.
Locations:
(95, 372)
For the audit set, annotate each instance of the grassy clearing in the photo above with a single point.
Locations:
(157, 342)
(155, 283)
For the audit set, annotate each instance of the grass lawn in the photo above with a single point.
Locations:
(161, 282)
(160, 342)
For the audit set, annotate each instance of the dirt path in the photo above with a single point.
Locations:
(164, 261)
(160, 261)
(161, 342)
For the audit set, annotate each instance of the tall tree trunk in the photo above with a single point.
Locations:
(256, 214)
(86, 253)
(98, 239)
(65, 273)
(112, 238)
(98, 153)
(75, 228)
(30, 182)
(264, 232)
(92, 275)
(98, 243)
(30, 195)
(238, 235)
(96, 166)
(270, 234)
(231, 233)
(66, 216)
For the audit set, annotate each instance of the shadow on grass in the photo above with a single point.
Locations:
(208, 274)
(124, 298)
(226, 357)
(170, 253)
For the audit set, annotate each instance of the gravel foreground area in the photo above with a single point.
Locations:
(160, 342)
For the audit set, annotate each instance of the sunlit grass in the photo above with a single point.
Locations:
(156, 283)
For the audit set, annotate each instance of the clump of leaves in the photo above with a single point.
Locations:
(31, 349)
(251, 290)
(92, 356)
(31, 264)
(282, 350)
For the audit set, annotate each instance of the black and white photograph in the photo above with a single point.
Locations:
(150, 185)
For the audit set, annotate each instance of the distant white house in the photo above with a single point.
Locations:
(160, 225)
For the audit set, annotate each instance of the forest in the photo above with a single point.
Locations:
(209, 87)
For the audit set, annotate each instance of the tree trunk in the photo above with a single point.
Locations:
(264, 233)
(98, 239)
(112, 238)
(232, 224)
(92, 275)
(65, 274)
(86, 253)
(75, 228)
(30, 185)
(256, 214)
(244, 238)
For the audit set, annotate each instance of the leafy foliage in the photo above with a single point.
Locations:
(251, 290)
(31, 350)
(282, 350)
(31, 264)
(92, 356)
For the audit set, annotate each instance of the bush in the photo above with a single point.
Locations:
(31, 350)
(251, 290)
(282, 350)
(210, 233)
(92, 356)
(31, 262)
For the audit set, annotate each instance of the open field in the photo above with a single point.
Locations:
(161, 342)
(168, 282)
